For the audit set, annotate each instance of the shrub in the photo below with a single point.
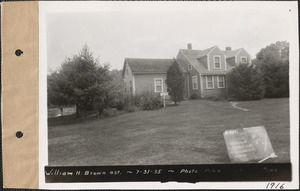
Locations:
(151, 103)
(245, 82)
(194, 96)
(136, 100)
(130, 108)
(119, 105)
(147, 101)
(109, 112)
(220, 96)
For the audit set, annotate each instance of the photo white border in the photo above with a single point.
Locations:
(90, 6)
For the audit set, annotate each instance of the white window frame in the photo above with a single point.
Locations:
(213, 84)
(244, 58)
(190, 67)
(218, 77)
(195, 82)
(219, 62)
(162, 84)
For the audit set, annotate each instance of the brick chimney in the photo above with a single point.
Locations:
(228, 48)
(189, 46)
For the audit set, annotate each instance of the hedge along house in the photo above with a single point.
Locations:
(204, 71)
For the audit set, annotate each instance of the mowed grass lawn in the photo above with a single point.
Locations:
(190, 133)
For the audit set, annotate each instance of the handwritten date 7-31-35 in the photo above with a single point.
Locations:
(148, 171)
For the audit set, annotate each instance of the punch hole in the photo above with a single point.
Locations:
(19, 52)
(19, 134)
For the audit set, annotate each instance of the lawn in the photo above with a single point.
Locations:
(190, 133)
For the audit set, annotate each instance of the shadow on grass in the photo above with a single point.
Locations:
(171, 105)
(71, 119)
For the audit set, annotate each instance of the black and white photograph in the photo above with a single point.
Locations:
(167, 83)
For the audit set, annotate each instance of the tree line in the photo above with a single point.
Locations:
(266, 77)
(83, 82)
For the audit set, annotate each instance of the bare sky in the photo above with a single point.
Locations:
(117, 34)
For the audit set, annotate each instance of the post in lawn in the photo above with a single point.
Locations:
(164, 96)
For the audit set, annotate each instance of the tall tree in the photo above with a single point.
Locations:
(175, 82)
(274, 53)
(83, 81)
(245, 82)
(273, 61)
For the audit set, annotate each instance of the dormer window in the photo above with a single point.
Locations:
(190, 67)
(217, 62)
(243, 59)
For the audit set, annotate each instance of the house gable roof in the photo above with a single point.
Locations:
(147, 65)
(197, 53)
(205, 52)
(245, 52)
(193, 57)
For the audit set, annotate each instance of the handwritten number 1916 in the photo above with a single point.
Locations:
(275, 185)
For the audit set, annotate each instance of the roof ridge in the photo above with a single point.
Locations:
(239, 49)
(233, 50)
(210, 48)
(149, 65)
